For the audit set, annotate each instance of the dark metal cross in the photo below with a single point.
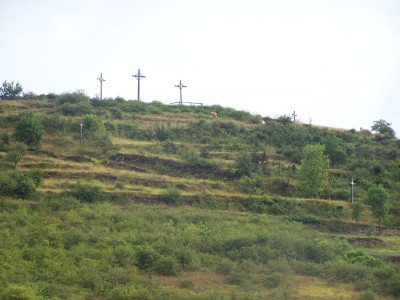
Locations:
(294, 116)
(101, 85)
(180, 86)
(138, 76)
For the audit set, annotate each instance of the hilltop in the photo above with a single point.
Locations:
(208, 207)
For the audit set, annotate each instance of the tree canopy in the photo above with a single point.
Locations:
(384, 128)
(311, 173)
(9, 91)
(28, 129)
(378, 199)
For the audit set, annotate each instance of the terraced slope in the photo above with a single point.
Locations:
(178, 219)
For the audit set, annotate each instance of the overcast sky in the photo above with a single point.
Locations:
(336, 62)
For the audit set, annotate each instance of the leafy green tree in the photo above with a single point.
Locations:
(249, 185)
(17, 184)
(14, 154)
(28, 129)
(357, 211)
(378, 199)
(244, 165)
(9, 91)
(384, 128)
(311, 175)
(334, 149)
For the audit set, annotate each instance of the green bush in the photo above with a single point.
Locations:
(146, 257)
(116, 112)
(86, 192)
(187, 284)
(57, 203)
(17, 184)
(356, 212)
(17, 292)
(367, 295)
(92, 124)
(161, 132)
(342, 194)
(28, 129)
(75, 109)
(36, 175)
(305, 219)
(5, 140)
(73, 98)
(343, 271)
(167, 266)
(171, 196)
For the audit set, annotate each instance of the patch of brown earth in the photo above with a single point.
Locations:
(166, 166)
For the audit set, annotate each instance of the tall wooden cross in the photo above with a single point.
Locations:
(101, 85)
(180, 86)
(138, 76)
(294, 116)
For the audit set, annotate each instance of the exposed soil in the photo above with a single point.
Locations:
(80, 175)
(78, 158)
(353, 228)
(130, 161)
(48, 153)
(395, 259)
(366, 242)
(119, 165)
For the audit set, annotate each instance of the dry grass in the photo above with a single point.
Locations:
(202, 281)
(307, 287)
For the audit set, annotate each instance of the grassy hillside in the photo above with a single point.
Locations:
(150, 201)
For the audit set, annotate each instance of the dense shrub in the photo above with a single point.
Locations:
(171, 196)
(57, 203)
(341, 194)
(146, 257)
(75, 109)
(73, 98)
(130, 292)
(167, 266)
(87, 192)
(194, 159)
(161, 132)
(17, 292)
(116, 113)
(17, 184)
(28, 129)
(345, 272)
(367, 295)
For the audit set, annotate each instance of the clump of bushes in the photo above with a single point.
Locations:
(87, 192)
(20, 185)
(171, 196)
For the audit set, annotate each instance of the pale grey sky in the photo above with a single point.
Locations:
(334, 61)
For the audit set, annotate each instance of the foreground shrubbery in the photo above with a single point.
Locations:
(61, 248)
(18, 184)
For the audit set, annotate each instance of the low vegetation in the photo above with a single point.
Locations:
(119, 199)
